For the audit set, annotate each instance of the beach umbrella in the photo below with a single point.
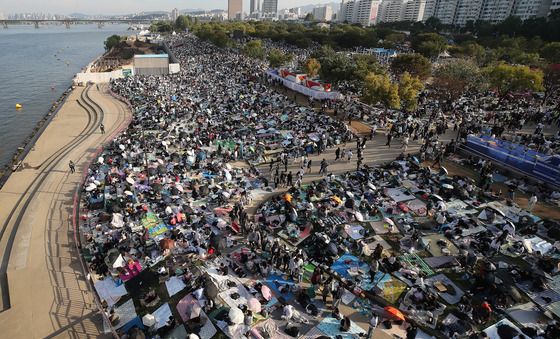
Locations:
(394, 313)
(372, 186)
(228, 167)
(236, 315)
(443, 170)
(149, 320)
(254, 305)
(350, 194)
(129, 193)
(100, 160)
(167, 243)
(193, 336)
(448, 186)
(91, 187)
(266, 293)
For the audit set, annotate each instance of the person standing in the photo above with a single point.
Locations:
(532, 202)
(72, 166)
(323, 169)
(337, 154)
(372, 325)
(102, 128)
(389, 138)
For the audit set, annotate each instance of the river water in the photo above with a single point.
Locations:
(36, 67)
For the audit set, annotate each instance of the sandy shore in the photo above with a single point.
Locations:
(44, 291)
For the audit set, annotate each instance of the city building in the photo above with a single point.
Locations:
(495, 11)
(444, 10)
(323, 13)
(414, 10)
(526, 9)
(174, 14)
(401, 10)
(459, 12)
(235, 9)
(467, 10)
(255, 6)
(363, 12)
(270, 7)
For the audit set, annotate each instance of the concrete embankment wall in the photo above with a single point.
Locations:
(98, 78)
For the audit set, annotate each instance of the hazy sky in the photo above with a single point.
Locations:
(124, 6)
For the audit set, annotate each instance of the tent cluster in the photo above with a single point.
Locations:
(175, 252)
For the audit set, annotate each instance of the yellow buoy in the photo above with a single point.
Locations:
(19, 106)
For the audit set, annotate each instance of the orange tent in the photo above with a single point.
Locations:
(394, 312)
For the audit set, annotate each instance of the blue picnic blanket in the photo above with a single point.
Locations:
(274, 281)
(347, 261)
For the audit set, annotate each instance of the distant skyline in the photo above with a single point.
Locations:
(109, 7)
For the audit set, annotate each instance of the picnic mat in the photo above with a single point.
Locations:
(174, 285)
(331, 327)
(313, 333)
(541, 298)
(107, 290)
(430, 241)
(389, 287)
(453, 294)
(184, 304)
(528, 314)
(162, 314)
(414, 260)
(274, 281)
(355, 232)
(348, 262)
(268, 329)
(492, 331)
(380, 227)
(437, 262)
(243, 296)
(126, 313)
(417, 207)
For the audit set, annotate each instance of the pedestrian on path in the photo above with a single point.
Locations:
(372, 325)
(337, 154)
(323, 169)
(532, 202)
(389, 138)
(102, 128)
(72, 166)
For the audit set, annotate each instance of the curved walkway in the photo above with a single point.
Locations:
(44, 292)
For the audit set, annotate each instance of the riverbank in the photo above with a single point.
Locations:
(41, 278)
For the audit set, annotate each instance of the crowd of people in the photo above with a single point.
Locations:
(175, 249)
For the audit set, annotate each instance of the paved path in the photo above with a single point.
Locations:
(44, 292)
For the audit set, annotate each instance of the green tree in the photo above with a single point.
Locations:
(506, 79)
(551, 52)
(312, 67)
(378, 89)
(112, 41)
(366, 64)
(452, 79)
(414, 63)
(254, 49)
(309, 17)
(409, 89)
(183, 22)
(429, 45)
(277, 58)
(393, 40)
